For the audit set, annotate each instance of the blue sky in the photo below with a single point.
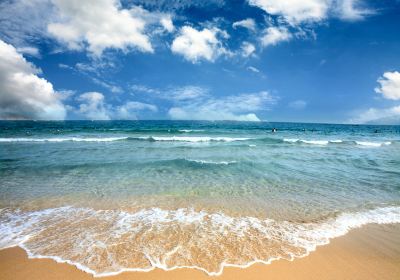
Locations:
(288, 60)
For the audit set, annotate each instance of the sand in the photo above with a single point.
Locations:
(372, 252)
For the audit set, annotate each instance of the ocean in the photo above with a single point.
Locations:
(114, 196)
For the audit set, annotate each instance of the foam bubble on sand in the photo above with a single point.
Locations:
(108, 242)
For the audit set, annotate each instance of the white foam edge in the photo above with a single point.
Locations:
(373, 144)
(212, 162)
(341, 230)
(336, 141)
(66, 139)
(193, 138)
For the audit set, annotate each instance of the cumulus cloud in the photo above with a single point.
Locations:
(275, 35)
(235, 107)
(129, 110)
(167, 24)
(100, 25)
(351, 10)
(247, 23)
(294, 11)
(195, 45)
(93, 106)
(247, 49)
(23, 94)
(378, 116)
(300, 11)
(389, 85)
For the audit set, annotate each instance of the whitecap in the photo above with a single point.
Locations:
(193, 139)
(372, 144)
(64, 139)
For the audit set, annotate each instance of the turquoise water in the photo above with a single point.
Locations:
(170, 194)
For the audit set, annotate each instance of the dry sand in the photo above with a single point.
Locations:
(372, 252)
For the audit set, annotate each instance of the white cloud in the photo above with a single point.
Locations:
(93, 106)
(111, 87)
(163, 5)
(379, 116)
(186, 93)
(32, 51)
(23, 94)
(235, 107)
(24, 21)
(247, 23)
(275, 35)
(389, 85)
(129, 110)
(295, 11)
(166, 22)
(298, 104)
(100, 25)
(253, 69)
(247, 49)
(196, 45)
(351, 10)
(145, 89)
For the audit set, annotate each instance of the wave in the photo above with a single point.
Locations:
(108, 242)
(111, 139)
(190, 139)
(373, 144)
(190, 130)
(210, 162)
(65, 139)
(194, 139)
(193, 163)
(326, 142)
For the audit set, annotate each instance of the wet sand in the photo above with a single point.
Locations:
(372, 252)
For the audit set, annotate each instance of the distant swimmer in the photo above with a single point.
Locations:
(274, 129)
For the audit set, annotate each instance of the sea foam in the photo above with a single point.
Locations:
(337, 141)
(192, 139)
(64, 139)
(108, 242)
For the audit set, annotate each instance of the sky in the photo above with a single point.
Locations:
(324, 61)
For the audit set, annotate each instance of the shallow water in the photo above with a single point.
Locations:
(134, 195)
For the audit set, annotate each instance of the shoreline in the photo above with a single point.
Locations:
(370, 252)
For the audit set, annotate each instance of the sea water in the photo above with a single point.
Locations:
(113, 196)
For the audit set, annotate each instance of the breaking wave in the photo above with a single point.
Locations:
(326, 142)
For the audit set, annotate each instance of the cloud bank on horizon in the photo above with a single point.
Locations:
(286, 60)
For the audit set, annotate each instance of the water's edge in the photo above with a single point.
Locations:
(322, 234)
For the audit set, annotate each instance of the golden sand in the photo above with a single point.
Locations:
(372, 252)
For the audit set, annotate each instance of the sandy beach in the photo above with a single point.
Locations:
(371, 252)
